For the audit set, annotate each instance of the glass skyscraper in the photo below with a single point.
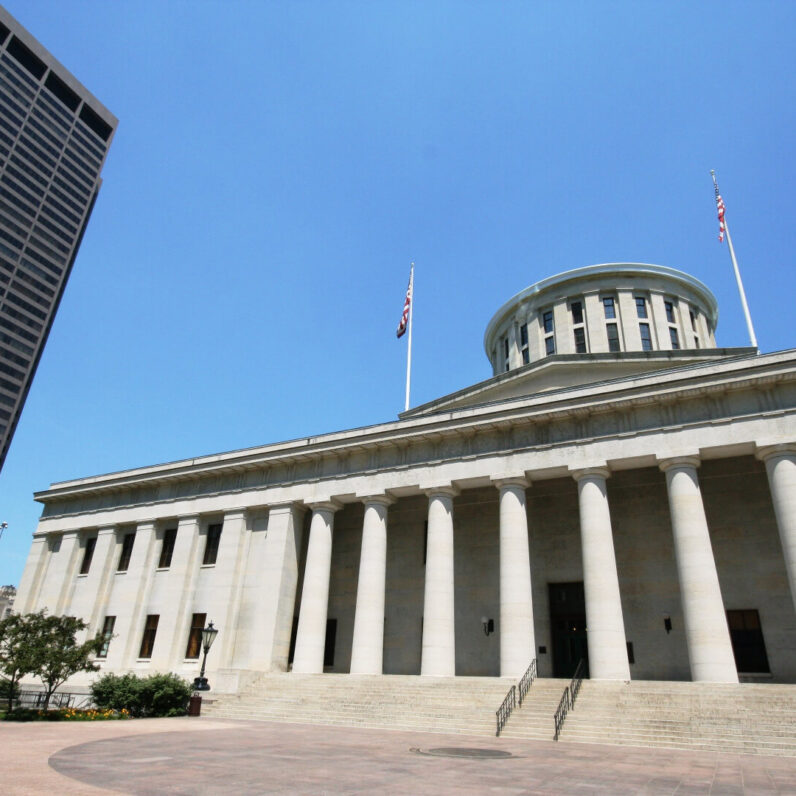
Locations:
(54, 137)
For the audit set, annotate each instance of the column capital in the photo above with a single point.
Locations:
(107, 530)
(188, 519)
(384, 499)
(235, 514)
(688, 462)
(286, 508)
(329, 505)
(765, 452)
(512, 480)
(599, 471)
(146, 525)
(441, 491)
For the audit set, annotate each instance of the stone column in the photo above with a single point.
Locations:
(96, 588)
(707, 636)
(517, 641)
(367, 649)
(780, 461)
(228, 582)
(30, 583)
(62, 573)
(311, 633)
(439, 637)
(171, 638)
(133, 598)
(604, 622)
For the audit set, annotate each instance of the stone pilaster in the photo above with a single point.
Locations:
(780, 461)
(30, 583)
(227, 582)
(311, 634)
(439, 637)
(604, 621)
(707, 635)
(517, 641)
(367, 650)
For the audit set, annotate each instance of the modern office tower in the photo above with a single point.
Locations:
(54, 137)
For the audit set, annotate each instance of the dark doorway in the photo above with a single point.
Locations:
(568, 627)
(747, 641)
(331, 636)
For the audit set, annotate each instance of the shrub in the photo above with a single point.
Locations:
(7, 686)
(156, 695)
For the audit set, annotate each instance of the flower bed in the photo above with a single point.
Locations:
(66, 714)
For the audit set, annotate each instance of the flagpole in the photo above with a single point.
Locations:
(745, 306)
(409, 349)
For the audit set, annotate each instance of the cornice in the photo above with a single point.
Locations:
(712, 379)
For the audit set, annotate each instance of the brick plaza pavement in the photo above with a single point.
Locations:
(210, 756)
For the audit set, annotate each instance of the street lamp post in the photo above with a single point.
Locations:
(208, 637)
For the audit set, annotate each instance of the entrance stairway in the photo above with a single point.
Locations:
(746, 718)
(464, 705)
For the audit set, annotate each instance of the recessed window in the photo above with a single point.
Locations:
(526, 357)
(127, 551)
(641, 307)
(748, 645)
(547, 327)
(693, 320)
(167, 548)
(577, 312)
(26, 57)
(669, 307)
(613, 337)
(211, 545)
(674, 337)
(505, 347)
(550, 345)
(696, 342)
(580, 340)
(646, 338)
(609, 307)
(547, 321)
(107, 635)
(88, 554)
(148, 639)
(195, 636)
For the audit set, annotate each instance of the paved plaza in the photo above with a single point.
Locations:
(207, 756)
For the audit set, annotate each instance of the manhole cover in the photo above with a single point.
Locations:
(463, 751)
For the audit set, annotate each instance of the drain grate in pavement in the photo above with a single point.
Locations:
(463, 751)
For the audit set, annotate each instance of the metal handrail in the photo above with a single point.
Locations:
(504, 711)
(526, 681)
(568, 698)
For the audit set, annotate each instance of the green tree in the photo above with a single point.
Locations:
(57, 654)
(18, 634)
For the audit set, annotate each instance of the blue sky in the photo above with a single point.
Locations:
(278, 164)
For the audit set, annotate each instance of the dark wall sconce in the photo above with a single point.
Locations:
(667, 623)
(488, 625)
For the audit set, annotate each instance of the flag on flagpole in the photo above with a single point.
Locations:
(401, 330)
(720, 209)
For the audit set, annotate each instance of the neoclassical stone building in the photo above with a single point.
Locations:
(620, 489)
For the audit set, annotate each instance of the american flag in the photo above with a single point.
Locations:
(401, 330)
(720, 208)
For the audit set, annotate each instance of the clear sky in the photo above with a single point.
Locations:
(278, 164)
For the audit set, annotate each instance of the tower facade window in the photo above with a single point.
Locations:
(211, 545)
(526, 357)
(88, 554)
(646, 337)
(127, 551)
(613, 337)
(641, 307)
(548, 330)
(609, 307)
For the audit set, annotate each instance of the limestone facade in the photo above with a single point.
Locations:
(619, 519)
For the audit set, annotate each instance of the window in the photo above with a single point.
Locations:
(127, 550)
(669, 307)
(167, 548)
(505, 347)
(211, 546)
(641, 306)
(106, 635)
(693, 319)
(580, 340)
(613, 337)
(576, 308)
(577, 312)
(696, 342)
(609, 307)
(547, 326)
(148, 639)
(674, 337)
(646, 339)
(195, 636)
(526, 357)
(88, 554)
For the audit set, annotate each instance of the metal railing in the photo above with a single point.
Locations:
(504, 711)
(35, 699)
(526, 681)
(568, 697)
